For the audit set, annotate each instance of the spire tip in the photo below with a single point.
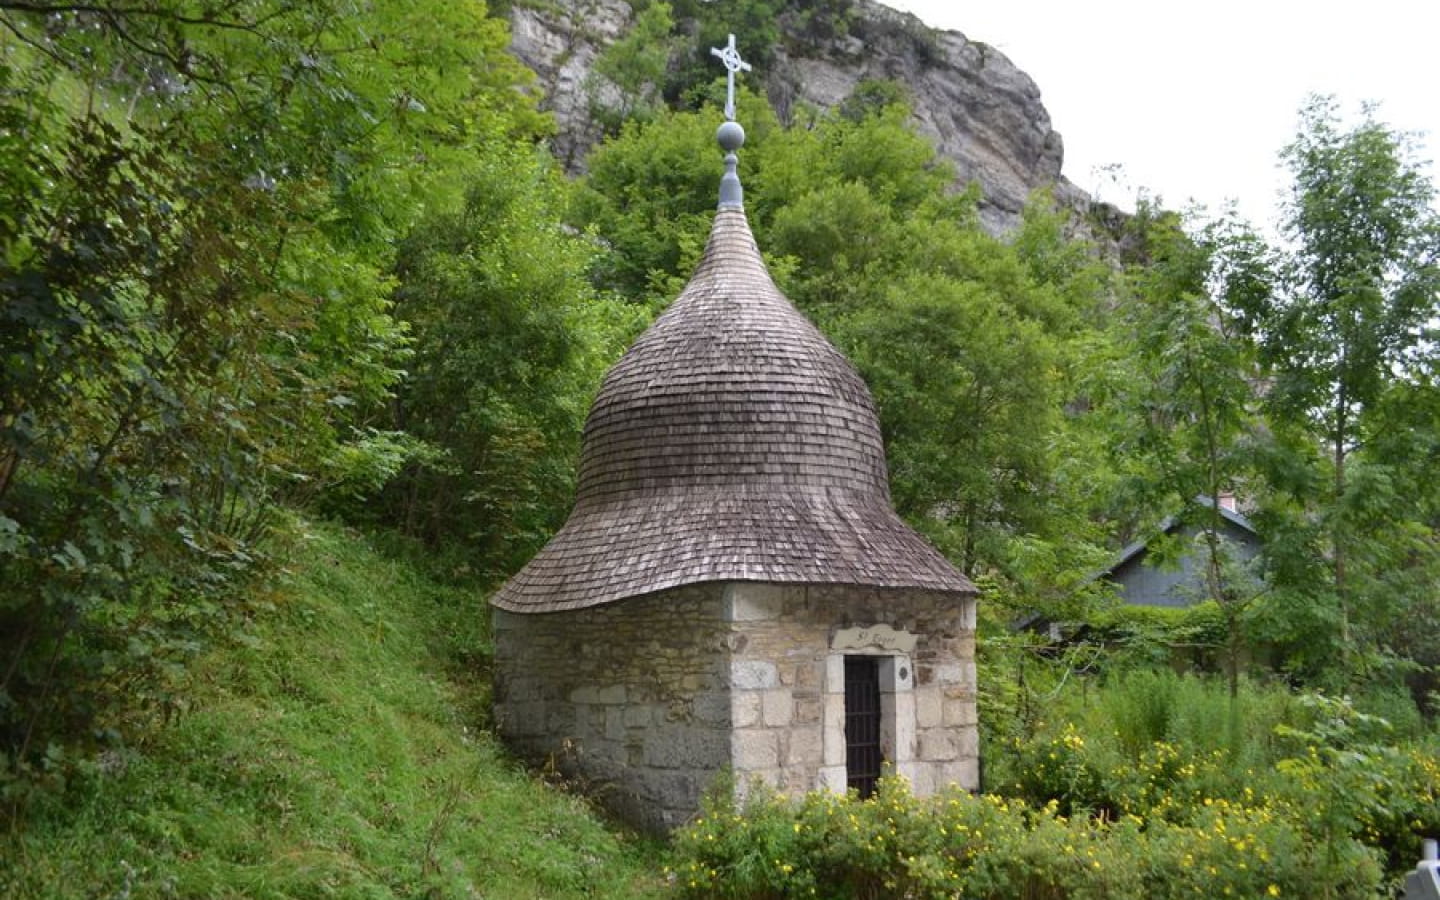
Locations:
(730, 135)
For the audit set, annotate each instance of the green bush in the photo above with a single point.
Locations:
(1351, 782)
(1166, 750)
(1064, 769)
(958, 845)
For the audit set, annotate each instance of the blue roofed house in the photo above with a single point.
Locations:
(1142, 578)
(1164, 569)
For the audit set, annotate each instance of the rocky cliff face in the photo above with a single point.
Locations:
(980, 110)
(560, 42)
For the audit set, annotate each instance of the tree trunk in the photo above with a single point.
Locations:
(1337, 537)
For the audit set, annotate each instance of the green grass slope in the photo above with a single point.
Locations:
(338, 752)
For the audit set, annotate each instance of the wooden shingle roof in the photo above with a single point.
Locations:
(731, 442)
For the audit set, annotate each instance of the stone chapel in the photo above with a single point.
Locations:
(733, 591)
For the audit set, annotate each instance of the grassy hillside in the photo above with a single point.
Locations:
(338, 751)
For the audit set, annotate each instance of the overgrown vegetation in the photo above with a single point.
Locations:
(509, 342)
(196, 322)
(311, 255)
(1147, 784)
(956, 844)
(1149, 743)
(340, 749)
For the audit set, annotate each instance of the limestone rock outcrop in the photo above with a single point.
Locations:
(982, 112)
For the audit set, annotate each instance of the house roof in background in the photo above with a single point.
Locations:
(1170, 524)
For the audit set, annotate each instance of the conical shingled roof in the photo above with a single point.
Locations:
(731, 442)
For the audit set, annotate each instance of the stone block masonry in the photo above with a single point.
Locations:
(788, 645)
(648, 701)
(630, 699)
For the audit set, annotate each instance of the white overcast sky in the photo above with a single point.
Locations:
(1195, 100)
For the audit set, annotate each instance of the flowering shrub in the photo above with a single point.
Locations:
(1333, 772)
(1352, 783)
(958, 845)
(1158, 786)
(1224, 849)
(1066, 770)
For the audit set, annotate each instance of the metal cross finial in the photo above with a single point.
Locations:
(733, 63)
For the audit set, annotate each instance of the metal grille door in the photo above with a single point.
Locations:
(862, 723)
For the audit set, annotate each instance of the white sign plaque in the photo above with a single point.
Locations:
(873, 637)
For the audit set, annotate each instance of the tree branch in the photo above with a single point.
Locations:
(46, 9)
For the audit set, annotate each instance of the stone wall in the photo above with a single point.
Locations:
(631, 698)
(647, 701)
(787, 701)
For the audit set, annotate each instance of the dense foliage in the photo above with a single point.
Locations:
(1145, 792)
(195, 312)
(1343, 319)
(956, 844)
(311, 253)
(1118, 740)
(508, 345)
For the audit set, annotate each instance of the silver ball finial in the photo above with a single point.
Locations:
(731, 136)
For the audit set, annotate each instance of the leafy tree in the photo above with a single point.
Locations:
(969, 406)
(986, 347)
(510, 343)
(755, 24)
(651, 193)
(194, 308)
(873, 95)
(1342, 333)
(1194, 399)
(760, 28)
(634, 69)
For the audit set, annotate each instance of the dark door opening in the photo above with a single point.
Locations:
(862, 723)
